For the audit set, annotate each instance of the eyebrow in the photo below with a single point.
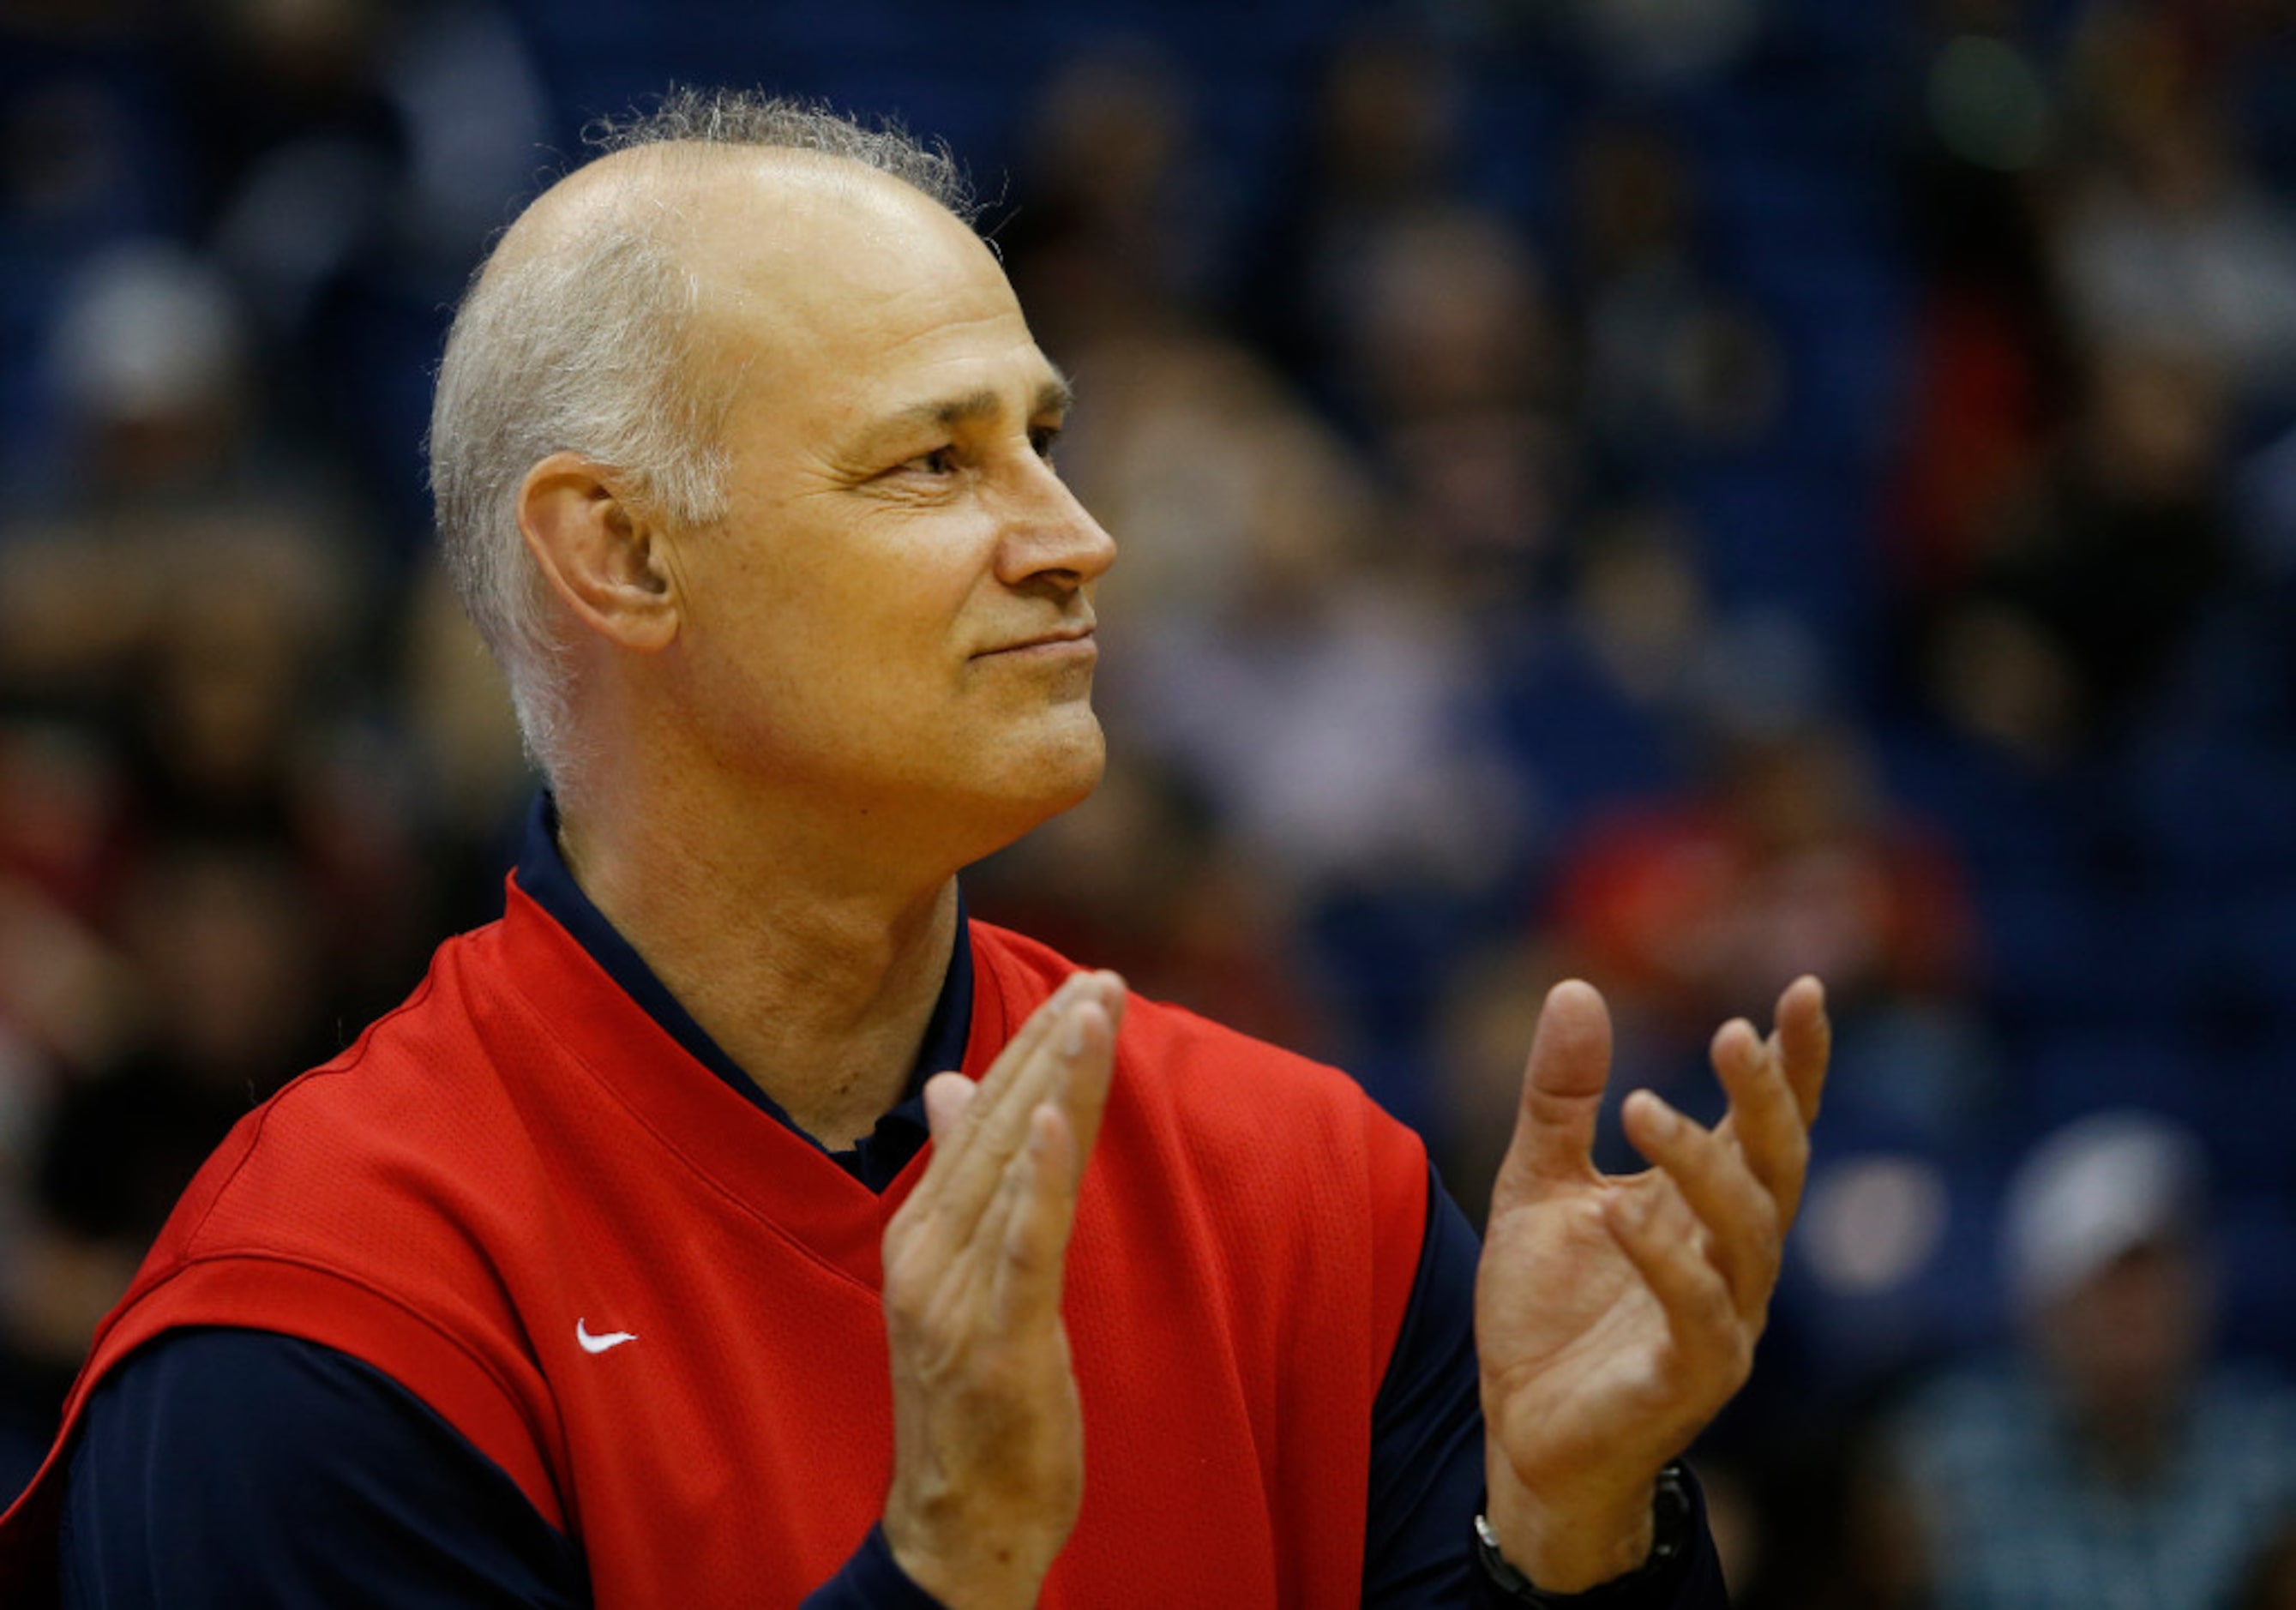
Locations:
(1055, 396)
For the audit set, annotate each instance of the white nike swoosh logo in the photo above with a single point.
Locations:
(598, 1344)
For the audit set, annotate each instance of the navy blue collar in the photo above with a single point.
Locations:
(877, 1157)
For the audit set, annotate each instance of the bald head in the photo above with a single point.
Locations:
(586, 331)
(685, 193)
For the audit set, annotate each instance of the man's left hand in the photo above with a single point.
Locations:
(1615, 1316)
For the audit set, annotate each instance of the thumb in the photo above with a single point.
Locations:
(1570, 1063)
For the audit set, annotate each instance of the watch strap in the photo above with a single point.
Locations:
(1670, 1542)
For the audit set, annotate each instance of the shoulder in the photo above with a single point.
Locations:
(413, 1110)
(377, 1205)
(372, 1204)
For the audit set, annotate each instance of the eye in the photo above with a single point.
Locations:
(1043, 438)
(940, 461)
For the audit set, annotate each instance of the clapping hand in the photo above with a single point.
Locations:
(1616, 1315)
(988, 1430)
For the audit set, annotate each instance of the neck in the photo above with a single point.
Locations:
(815, 971)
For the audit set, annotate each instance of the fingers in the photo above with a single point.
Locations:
(1774, 1087)
(1015, 1081)
(1091, 1052)
(1765, 1113)
(1803, 1041)
(1744, 1233)
(1021, 1240)
(1063, 1055)
(1741, 1182)
(1034, 1237)
(947, 1097)
(1562, 1094)
(987, 1468)
(1655, 1227)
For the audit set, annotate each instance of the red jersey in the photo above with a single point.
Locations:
(657, 1307)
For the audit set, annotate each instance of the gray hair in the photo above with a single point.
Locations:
(586, 349)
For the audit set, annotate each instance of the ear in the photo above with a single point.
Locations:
(602, 554)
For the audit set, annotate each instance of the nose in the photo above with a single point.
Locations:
(1051, 536)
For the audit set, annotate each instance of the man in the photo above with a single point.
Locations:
(615, 1268)
(2114, 1461)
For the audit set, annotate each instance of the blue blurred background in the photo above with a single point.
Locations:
(1678, 491)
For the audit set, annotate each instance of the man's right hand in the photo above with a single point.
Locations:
(988, 1430)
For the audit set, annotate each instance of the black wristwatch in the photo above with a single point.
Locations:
(1670, 1539)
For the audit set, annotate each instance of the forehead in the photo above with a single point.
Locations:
(841, 292)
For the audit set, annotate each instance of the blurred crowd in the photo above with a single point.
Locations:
(1678, 492)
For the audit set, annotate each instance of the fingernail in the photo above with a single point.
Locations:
(1072, 1036)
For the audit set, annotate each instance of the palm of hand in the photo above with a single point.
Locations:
(1615, 1317)
(1577, 1350)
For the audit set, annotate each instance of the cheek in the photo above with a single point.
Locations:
(816, 624)
(850, 624)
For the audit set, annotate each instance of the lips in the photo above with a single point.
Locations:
(1068, 638)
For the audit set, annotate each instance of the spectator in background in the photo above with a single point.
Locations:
(171, 493)
(223, 938)
(1290, 661)
(350, 162)
(2113, 1461)
(2167, 240)
(218, 939)
(1791, 855)
(194, 610)
(1118, 236)
(201, 863)
(1673, 365)
(1991, 365)
(1456, 372)
(1382, 144)
(2096, 580)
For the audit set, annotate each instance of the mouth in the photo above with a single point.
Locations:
(1069, 641)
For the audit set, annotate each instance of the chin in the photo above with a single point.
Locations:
(1071, 768)
(1056, 772)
